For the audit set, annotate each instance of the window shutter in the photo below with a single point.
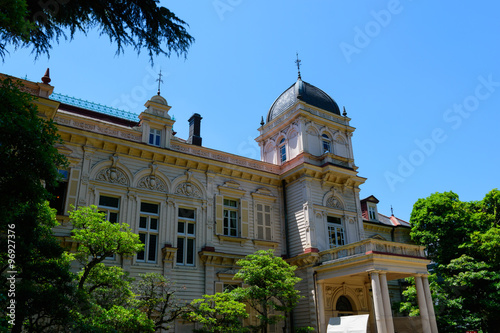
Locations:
(219, 287)
(268, 226)
(260, 222)
(74, 180)
(219, 212)
(244, 218)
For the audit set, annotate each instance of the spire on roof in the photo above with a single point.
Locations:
(298, 64)
(261, 120)
(160, 81)
(46, 77)
(392, 211)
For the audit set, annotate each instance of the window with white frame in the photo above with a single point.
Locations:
(336, 235)
(282, 150)
(372, 213)
(148, 232)
(326, 143)
(263, 221)
(231, 218)
(186, 236)
(110, 206)
(154, 137)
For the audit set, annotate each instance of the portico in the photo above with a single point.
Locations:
(359, 273)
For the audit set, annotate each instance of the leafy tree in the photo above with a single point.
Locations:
(99, 238)
(45, 293)
(109, 298)
(142, 24)
(271, 286)
(28, 161)
(156, 297)
(108, 286)
(116, 319)
(463, 240)
(218, 313)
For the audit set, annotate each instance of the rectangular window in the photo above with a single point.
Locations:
(110, 206)
(58, 192)
(231, 218)
(186, 237)
(154, 137)
(264, 228)
(372, 212)
(335, 232)
(148, 232)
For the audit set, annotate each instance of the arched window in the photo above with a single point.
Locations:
(282, 150)
(327, 143)
(343, 304)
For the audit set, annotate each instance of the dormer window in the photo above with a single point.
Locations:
(372, 213)
(282, 150)
(326, 142)
(154, 137)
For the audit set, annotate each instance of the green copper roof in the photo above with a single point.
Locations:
(94, 107)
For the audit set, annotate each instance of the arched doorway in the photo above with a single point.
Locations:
(344, 306)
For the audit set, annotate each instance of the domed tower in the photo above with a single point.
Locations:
(308, 136)
(306, 120)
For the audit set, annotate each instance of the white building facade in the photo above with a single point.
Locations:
(199, 210)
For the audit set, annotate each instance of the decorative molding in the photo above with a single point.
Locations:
(225, 157)
(188, 189)
(223, 239)
(112, 175)
(265, 243)
(334, 202)
(152, 183)
(231, 187)
(91, 126)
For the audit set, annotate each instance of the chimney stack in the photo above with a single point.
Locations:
(194, 129)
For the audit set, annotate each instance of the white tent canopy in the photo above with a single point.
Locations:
(348, 324)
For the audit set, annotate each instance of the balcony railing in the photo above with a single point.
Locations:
(375, 246)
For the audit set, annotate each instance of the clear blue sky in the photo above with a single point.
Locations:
(420, 80)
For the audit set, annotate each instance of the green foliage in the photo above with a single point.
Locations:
(156, 298)
(463, 239)
(109, 304)
(108, 286)
(140, 24)
(99, 238)
(218, 313)
(271, 286)
(115, 319)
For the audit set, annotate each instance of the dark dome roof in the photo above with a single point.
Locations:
(305, 92)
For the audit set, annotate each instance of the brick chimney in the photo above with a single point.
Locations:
(194, 129)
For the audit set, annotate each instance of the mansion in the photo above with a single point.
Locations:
(198, 210)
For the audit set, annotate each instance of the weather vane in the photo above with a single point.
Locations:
(298, 63)
(160, 81)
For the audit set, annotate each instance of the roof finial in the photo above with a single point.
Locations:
(298, 64)
(46, 77)
(160, 81)
(392, 211)
(261, 120)
(344, 113)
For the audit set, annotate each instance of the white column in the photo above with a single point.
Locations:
(422, 304)
(320, 306)
(387, 303)
(378, 303)
(430, 304)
